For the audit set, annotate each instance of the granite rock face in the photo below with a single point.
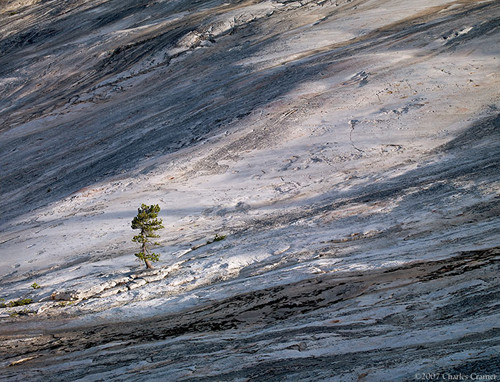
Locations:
(328, 173)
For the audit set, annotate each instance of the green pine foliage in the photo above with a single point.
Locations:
(148, 222)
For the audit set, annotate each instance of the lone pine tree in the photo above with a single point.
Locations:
(147, 221)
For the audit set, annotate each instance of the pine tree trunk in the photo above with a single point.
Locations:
(148, 263)
(144, 242)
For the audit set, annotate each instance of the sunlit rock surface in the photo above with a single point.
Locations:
(348, 150)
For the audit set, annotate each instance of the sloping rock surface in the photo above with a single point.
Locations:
(347, 152)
